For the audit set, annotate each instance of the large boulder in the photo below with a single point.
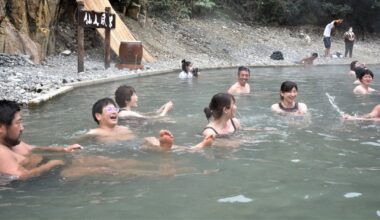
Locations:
(28, 27)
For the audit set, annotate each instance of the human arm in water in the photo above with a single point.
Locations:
(26, 174)
(162, 111)
(374, 115)
(167, 107)
(206, 142)
(9, 165)
(24, 148)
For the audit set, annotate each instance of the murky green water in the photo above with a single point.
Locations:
(288, 168)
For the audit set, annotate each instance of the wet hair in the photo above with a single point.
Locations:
(314, 55)
(185, 64)
(353, 65)
(243, 68)
(122, 94)
(217, 104)
(99, 105)
(8, 109)
(195, 72)
(361, 72)
(287, 86)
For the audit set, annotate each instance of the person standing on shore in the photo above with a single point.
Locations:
(349, 39)
(327, 35)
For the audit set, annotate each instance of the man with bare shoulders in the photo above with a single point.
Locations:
(308, 60)
(241, 86)
(14, 154)
(374, 115)
(105, 114)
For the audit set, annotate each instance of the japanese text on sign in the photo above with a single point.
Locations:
(97, 19)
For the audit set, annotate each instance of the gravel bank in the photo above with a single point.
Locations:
(207, 43)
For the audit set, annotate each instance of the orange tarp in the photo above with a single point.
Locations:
(120, 33)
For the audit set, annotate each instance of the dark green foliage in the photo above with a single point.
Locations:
(364, 15)
(180, 8)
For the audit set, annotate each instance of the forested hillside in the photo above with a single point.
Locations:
(364, 15)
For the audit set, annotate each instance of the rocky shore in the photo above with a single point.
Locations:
(207, 43)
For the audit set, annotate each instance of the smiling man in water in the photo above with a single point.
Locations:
(241, 86)
(16, 158)
(105, 114)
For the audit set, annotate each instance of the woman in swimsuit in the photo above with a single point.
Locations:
(288, 104)
(126, 98)
(186, 70)
(221, 115)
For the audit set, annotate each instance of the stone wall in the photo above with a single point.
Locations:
(27, 27)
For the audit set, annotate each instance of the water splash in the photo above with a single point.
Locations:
(332, 102)
(233, 199)
(352, 195)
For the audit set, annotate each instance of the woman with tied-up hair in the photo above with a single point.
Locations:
(221, 115)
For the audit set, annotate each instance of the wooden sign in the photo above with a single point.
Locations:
(97, 19)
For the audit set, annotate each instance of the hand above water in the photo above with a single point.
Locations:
(72, 148)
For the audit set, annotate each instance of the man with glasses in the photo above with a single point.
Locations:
(105, 114)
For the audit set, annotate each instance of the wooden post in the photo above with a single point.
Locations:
(80, 38)
(107, 42)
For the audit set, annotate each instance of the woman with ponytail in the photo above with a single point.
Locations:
(221, 115)
(186, 70)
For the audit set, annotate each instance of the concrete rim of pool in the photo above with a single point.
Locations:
(71, 86)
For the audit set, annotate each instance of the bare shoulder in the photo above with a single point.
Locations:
(237, 123)
(302, 106)
(208, 131)
(92, 132)
(123, 129)
(126, 114)
(275, 107)
(8, 161)
(357, 90)
(232, 89)
(248, 87)
(22, 148)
